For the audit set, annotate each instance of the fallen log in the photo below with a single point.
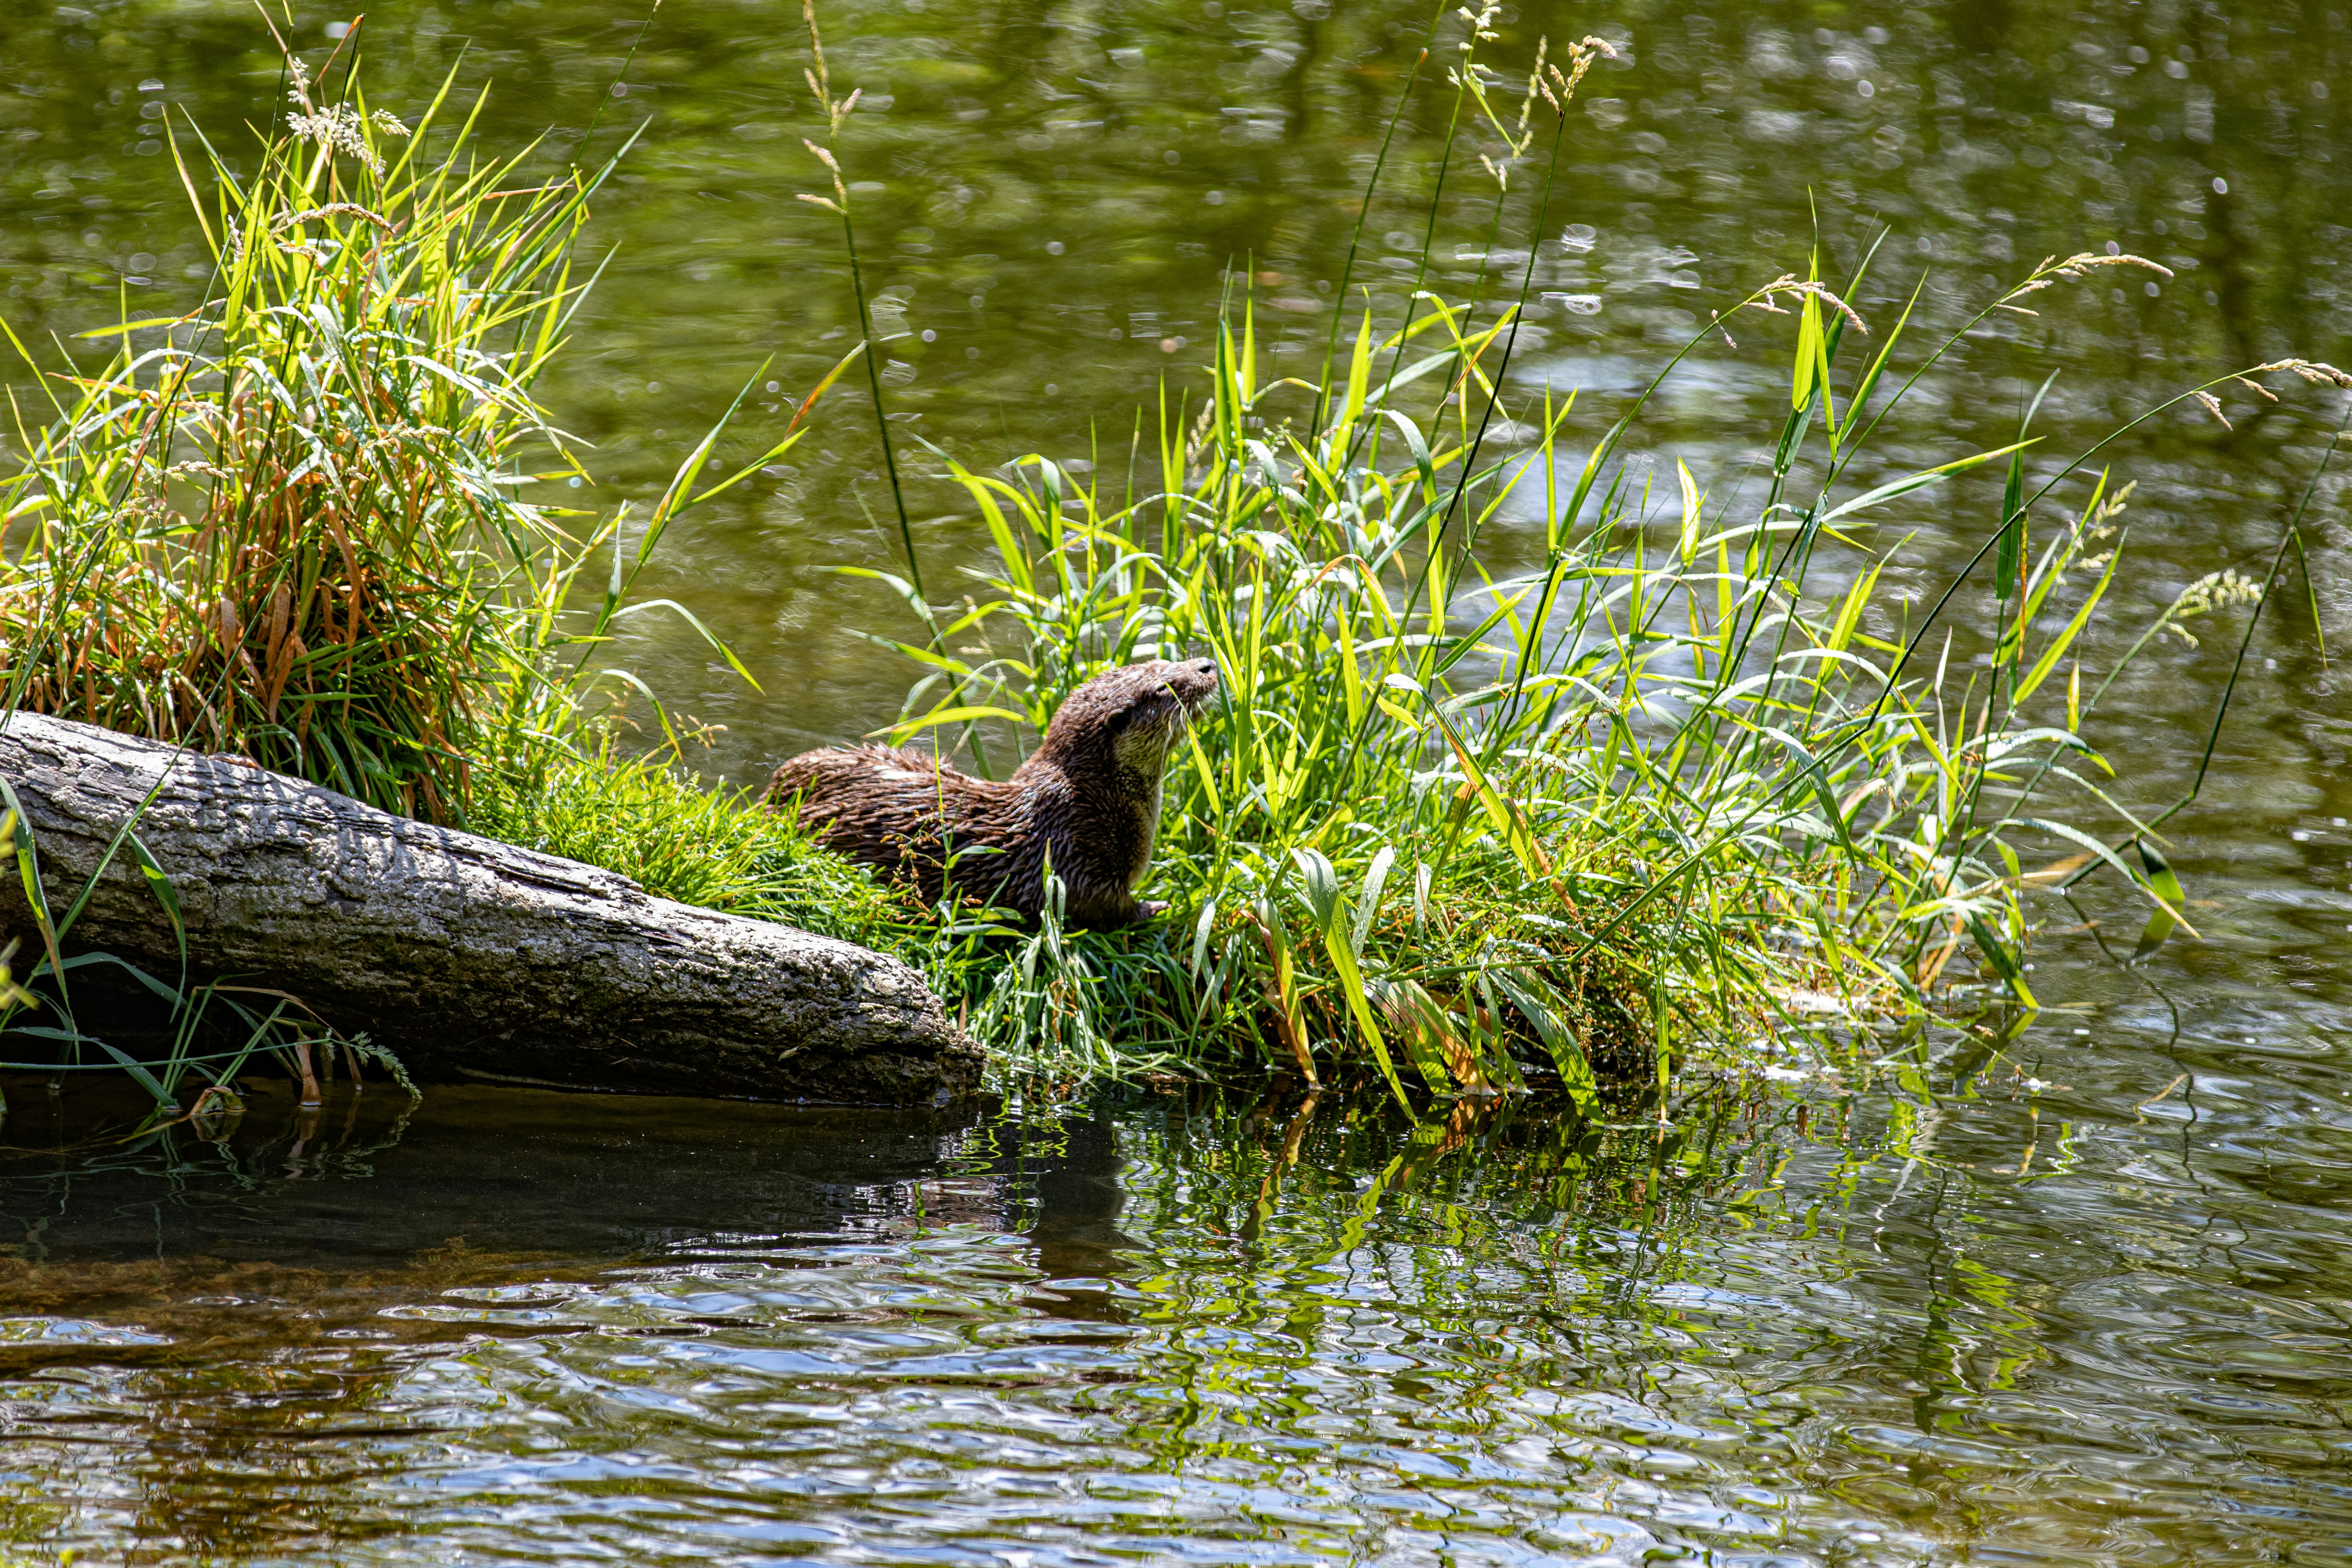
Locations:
(467, 958)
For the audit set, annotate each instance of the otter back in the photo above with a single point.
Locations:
(1086, 804)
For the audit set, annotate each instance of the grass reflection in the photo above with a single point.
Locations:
(1158, 1324)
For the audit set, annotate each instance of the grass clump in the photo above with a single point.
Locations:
(291, 522)
(1682, 773)
(1688, 774)
(286, 524)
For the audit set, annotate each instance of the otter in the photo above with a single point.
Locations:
(1086, 804)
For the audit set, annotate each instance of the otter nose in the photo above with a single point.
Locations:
(1206, 666)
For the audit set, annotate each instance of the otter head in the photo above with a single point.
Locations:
(1128, 718)
(1110, 739)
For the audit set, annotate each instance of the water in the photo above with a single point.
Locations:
(2086, 1300)
(2060, 1315)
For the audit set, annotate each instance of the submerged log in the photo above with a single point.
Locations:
(469, 958)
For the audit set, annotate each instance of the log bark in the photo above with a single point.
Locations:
(469, 958)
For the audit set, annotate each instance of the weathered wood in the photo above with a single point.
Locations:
(468, 957)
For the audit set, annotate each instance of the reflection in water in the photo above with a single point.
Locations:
(2062, 1312)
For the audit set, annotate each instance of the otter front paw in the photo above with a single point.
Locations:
(1150, 908)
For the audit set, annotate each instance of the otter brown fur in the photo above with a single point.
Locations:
(1086, 803)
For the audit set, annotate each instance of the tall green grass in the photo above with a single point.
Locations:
(1692, 778)
(1681, 778)
(288, 523)
(1690, 775)
(296, 524)
(293, 522)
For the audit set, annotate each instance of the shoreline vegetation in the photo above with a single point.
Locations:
(1694, 786)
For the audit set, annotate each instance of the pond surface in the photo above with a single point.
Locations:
(2086, 1300)
(2091, 1304)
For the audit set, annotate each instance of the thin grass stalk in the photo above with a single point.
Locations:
(821, 83)
(1364, 209)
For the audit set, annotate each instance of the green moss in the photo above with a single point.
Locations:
(677, 838)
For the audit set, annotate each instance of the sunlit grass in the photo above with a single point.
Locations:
(292, 525)
(1694, 778)
(1693, 782)
(652, 821)
(288, 523)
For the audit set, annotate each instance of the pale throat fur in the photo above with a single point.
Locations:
(1141, 753)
